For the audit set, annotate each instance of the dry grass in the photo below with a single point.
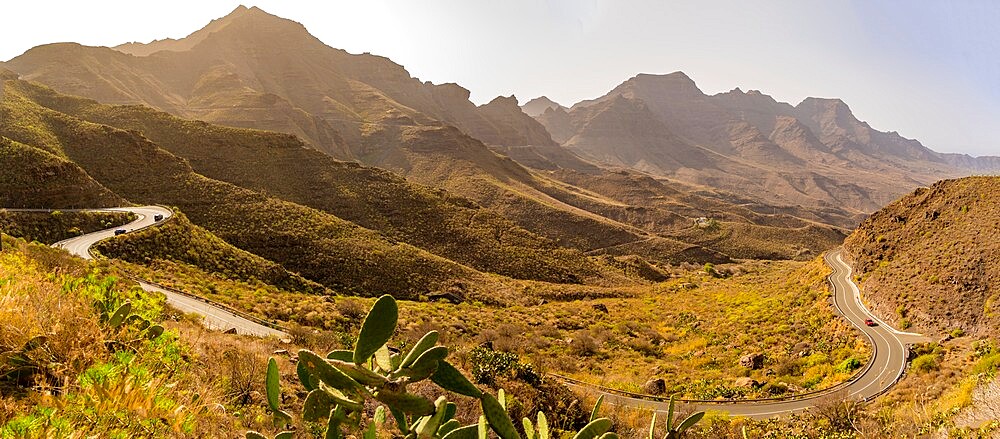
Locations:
(93, 381)
(680, 330)
(32, 305)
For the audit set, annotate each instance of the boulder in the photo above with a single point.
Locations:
(746, 382)
(601, 308)
(655, 386)
(752, 361)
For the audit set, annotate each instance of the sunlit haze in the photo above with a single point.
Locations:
(925, 69)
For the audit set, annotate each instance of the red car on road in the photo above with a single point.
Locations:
(869, 322)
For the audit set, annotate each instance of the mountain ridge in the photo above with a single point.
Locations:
(815, 153)
(369, 109)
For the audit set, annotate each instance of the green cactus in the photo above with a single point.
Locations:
(318, 405)
(426, 342)
(154, 331)
(273, 391)
(325, 372)
(118, 318)
(424, 366)
(340, 385)
(407, 403)
(376, 329)
(538, 431)
(483, 429)
(123, 316)
(594, 429)
(497, 417)
(466, 432)
(372, 431)
(341, 355)
(449, 378)
(674, 431)
(597, 408)
(427, 426)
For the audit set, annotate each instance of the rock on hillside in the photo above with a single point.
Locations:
(932, 257)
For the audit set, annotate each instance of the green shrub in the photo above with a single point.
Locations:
(925, 363)
(848, 365)
(488, 365)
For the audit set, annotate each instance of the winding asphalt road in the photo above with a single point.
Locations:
(889, 349)
(213, 316)
(883, 370)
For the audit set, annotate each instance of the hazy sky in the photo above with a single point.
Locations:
(927, 69)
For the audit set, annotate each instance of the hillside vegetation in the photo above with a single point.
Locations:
(179, 240)
(434, 220)
(34, 178)
(930, 259)
(67, 370)
(317, 245)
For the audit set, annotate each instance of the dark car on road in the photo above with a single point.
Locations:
(119, 232)
(158, 217)
(869, 322)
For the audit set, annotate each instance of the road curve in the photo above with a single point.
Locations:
(889, 357)
(213, 316)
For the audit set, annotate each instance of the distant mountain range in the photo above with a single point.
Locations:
(655, 168)
(815, 153)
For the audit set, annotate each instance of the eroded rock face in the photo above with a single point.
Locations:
(512, 126)
(655, 386)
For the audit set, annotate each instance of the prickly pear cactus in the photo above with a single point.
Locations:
(342, 382)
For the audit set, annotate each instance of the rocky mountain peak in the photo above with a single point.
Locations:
(508, 102)
(251, 19)
(813, 107)
(674, 83)
(451, 90)
(539, 105)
